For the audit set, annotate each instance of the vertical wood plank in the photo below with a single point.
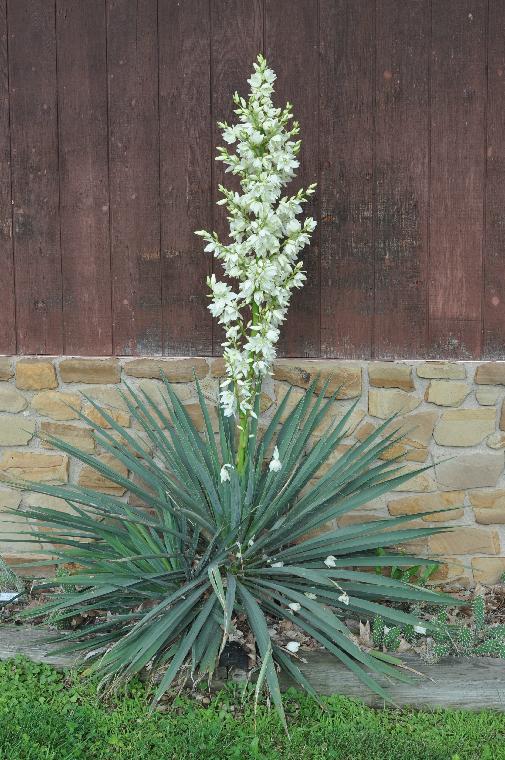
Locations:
(237, 38)
(401, 178)
(7, 300)
(35, 187)
(185, 173)
(346, 145)
(457, 176)
(292, 49)
(84, 191)
(132, 64)
(494, 236)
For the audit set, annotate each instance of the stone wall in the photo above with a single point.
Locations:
(453, 415)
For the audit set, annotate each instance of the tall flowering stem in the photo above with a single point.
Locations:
(261, 260)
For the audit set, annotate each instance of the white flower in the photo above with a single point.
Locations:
(293, 646)
(275, 463)
(343, 598)
(310, 595)
(225, 475)
(419, 629)
(278, 564)
(295, 607)
(330, 561)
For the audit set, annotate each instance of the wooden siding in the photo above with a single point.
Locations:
(108, 114)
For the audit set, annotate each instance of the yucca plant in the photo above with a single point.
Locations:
(171, 575)
(229, 526)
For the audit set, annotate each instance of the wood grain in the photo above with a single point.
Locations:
(401, 178)
(458, 91)
(35, 185)
(292, 49)
(185, 174)
(439, 685)
(132, 62)
(84, 188)
(346, 125)
(7, 285)
(493, 301)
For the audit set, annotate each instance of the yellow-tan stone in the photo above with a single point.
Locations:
(90, 371)
(440, 370)
(6, 370)
(59, 405)
(390, 375)
(34, 465)
(175, 370)
(91, 478)
(34, 375)
(385, 402)
(488, 570)
(465, 541)
(80, 437)
(475, 470)
(488, 395)
(11, 400)
(430, 502)
(447, 392)
(491, 373)
(345, 376)
(16, 430)
(464, 427)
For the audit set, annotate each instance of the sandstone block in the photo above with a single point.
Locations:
(91, 478)
(502, 417)
(496, 441)
(447, 393)
(422, 481)
(80, 437)
(217, 367)
(476, 470)
(32, 499)
(441, 370)
(175, 370)
(464, 427)
(490, 373)
(90, 371)
(385, 402)
(488, 395)
(390, 375)
(465, 541)
(34, 465)
(58, 405)
(487, 499)
(6, 371)
(11, 400)
(492, 516)
(430, 502)
(417, 428)
(10, 498)
(196, 414)
(118, 415)
(157, 392)
(488, 570)
(451, 571)
(16, 430)
(35, 375)
(346, 376)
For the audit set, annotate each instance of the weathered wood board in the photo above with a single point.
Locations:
(456, 682)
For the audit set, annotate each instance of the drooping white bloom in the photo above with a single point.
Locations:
(225, 475)
(295, 607)
(278, 564)
(419, 629)
(293, 646)
(343, 598)
(310, 595)
(330, 561)
(266, 240)
(275, 463)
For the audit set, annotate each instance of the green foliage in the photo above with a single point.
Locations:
(45, 715)
(173, 573)
(418, 574)
(477, 639)
(9, 581)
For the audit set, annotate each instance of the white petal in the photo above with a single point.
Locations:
(293, 646)
(295, 607)
(330, 561)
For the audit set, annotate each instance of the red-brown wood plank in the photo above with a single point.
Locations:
(84, 191)
(292, 49)
(458, 88)
(494, 235)
(7, 301)
(401, 178)
(346, 149)
(185, 173)
(237, 38)
(35, 186)
(132, 65)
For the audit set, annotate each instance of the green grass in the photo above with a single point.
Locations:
(45, 715)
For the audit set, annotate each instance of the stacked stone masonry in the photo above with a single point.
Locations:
(451, 413)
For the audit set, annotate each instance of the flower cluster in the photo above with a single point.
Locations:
(266, 239)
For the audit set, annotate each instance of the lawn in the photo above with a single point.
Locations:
(45, 715)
